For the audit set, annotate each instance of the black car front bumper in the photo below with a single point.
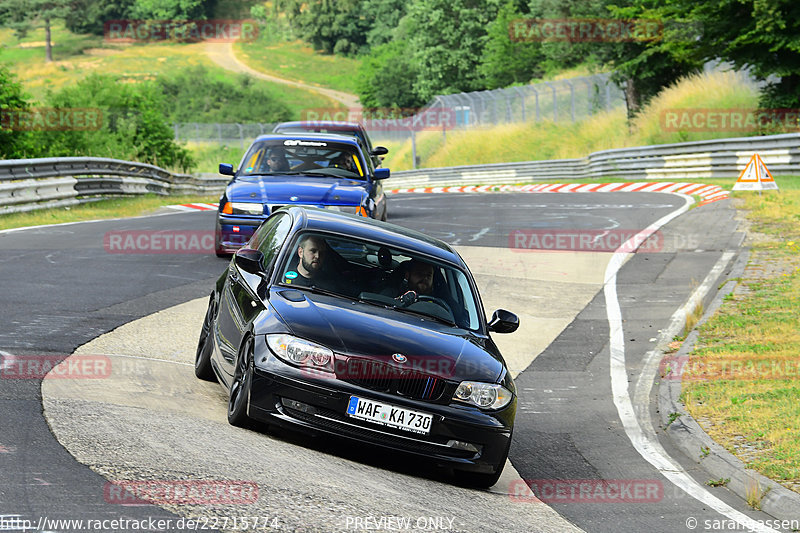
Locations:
(462, 437)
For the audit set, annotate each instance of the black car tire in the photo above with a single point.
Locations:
(240, 387)
(202, 360)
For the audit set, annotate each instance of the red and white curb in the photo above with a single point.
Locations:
(709, 193)
(194, 207)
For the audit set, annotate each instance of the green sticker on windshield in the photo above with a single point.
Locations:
(291, 274)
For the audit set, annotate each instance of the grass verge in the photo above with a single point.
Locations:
(744, 386)
(101, 209)
(297, 61)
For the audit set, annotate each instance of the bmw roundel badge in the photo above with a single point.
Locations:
(294, 198)
(400, 358)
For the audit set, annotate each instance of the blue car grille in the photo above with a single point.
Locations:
(379, 376)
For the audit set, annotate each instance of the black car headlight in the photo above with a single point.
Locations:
(300, 352)
(483, 395)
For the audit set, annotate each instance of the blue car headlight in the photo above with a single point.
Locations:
(300, 352)
(483, 395)
(352, 209)
(243, 208)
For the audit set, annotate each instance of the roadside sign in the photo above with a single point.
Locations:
(755, 177)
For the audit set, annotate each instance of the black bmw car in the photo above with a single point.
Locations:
(334, 323)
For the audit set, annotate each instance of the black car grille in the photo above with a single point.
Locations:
(378, 376)
(325, 418)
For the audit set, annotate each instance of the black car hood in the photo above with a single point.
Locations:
(363, 330)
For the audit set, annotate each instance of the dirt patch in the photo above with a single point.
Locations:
(35, 44)
(101, 51)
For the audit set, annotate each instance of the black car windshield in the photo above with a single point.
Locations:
(302, 156)
(381, 275)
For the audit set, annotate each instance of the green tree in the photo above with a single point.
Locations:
(387, 76)
(89, 16)
(643, 67)
(447, 38)
(507, 59)
(24, 15)
(14, 144)
(762, 35)
(335, 26)
(132, 127)
(168, 10)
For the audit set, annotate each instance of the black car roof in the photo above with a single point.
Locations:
(312, 218)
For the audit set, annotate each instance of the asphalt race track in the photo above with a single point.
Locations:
(576, 372)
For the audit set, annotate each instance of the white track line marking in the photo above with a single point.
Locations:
(647, 447)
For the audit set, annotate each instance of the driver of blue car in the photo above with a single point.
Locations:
(276, 160)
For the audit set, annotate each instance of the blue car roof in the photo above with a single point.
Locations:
(310, 218)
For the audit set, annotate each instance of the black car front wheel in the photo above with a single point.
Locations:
(240, 388)
(202, 360)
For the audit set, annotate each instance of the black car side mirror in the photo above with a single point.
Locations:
(249, 260)
(379, 150)
(226, 169)
(381, 173)
(503, 322)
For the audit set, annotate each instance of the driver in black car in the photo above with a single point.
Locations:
(419, 277)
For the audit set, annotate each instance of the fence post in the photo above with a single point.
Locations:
(521, 94)
(571, 99)
(413, 149)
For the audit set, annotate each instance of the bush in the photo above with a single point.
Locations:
(133, 125)
(195, 95)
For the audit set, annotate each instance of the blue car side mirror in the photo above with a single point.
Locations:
(381, 173)
(226, 169)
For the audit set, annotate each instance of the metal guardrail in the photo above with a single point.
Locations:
(29, 184)
(722, 158)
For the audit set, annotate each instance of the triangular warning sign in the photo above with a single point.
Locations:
(755, 177)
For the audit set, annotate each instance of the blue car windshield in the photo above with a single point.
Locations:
(383, 276)
(303, 156)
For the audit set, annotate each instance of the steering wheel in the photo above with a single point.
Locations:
(437, 301)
